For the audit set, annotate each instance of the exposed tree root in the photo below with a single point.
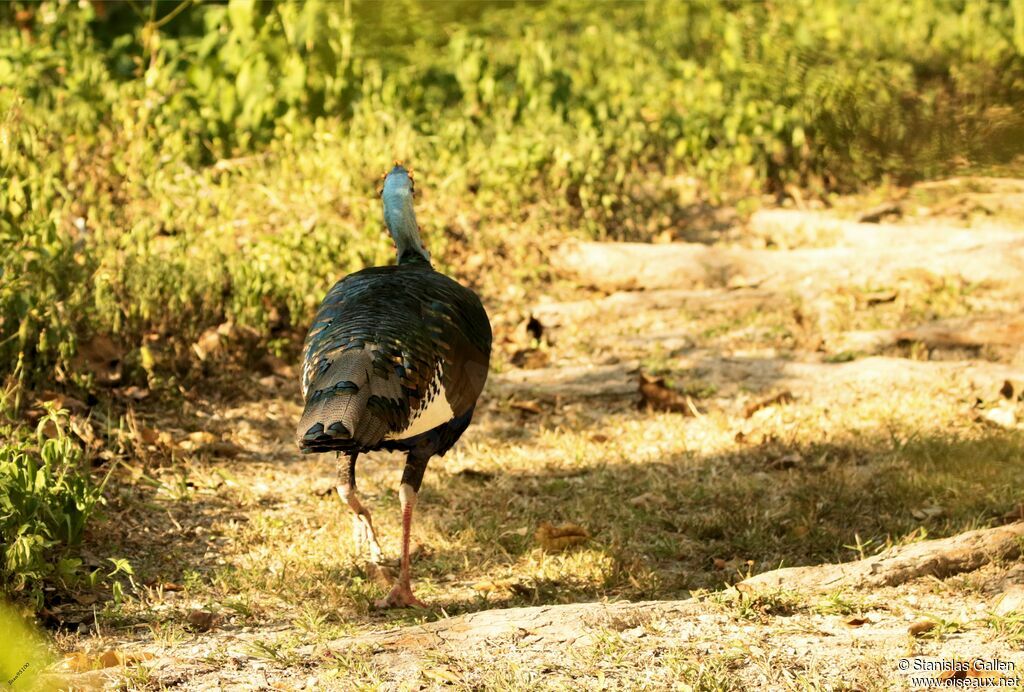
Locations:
(939, 558)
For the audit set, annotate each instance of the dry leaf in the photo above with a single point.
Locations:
(783, 397)
(472, 475)
(1002, 416)
(920, 627)
(208, 345)
(196, 440)
(878, 297)
(786, 462)
(1011, 390)
(102, 358)
(381, 575)
(530, 358)
(442, 675)
(111, 658)
(657, 396)
(134, 393)
(649, 500)
(78, 662)
(1010, 601)
(272, 365)
(85, 432)
(50, 430)
(147, 436)
(202, 620)
(927, 512)
(63, 401)
(856, 622)
(555, 538)
(528, 406)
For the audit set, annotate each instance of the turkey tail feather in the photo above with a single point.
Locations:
(342, 410)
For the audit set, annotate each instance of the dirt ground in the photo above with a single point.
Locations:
(808, 388)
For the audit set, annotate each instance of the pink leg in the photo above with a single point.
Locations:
(401, 595)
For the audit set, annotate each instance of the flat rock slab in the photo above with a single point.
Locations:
(538, 626)
(974, 256)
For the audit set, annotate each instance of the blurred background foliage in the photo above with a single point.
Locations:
(166, 167)
(169, 167)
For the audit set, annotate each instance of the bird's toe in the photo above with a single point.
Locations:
(400, 597)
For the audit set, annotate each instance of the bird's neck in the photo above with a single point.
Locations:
(401, 223)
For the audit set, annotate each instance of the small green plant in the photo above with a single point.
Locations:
(46, 499)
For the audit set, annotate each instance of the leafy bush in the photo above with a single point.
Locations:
(46, 498)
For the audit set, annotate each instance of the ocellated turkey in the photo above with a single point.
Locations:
(395, 360)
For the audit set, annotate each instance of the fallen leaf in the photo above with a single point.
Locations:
(555, 538)
(1002, 416)
(1010, 601)
(530, 358)
(651, 499)
(856, 622)
(272, 365)
(63, 401)
(111, 658)
(380, 574)
(78, 662)
(132, 392)
(920, 627)
(598, 437)
(923, 513)
(102, 357)
(202, 620)
(148, 436)
(786, 462)
(657, 396)
(878, 297)
(197, 439)
(208, 345)
(1011, 390)
(783, 397)
(528, 406)
(474, 475)
(1015, 514)
(50, 429)
(85, 432)
(442, 675)
(876, 214)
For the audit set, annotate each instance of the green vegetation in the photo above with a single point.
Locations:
(45, 501)
(161, 177)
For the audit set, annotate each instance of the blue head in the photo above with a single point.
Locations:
(399, 217)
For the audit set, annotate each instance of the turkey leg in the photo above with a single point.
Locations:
(401, 595)
(362, 524)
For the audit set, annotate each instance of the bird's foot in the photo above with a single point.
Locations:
(400, 597)
(365, 539)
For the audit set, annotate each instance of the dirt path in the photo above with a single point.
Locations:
(816, 425)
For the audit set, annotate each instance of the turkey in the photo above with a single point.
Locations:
(395, 360)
